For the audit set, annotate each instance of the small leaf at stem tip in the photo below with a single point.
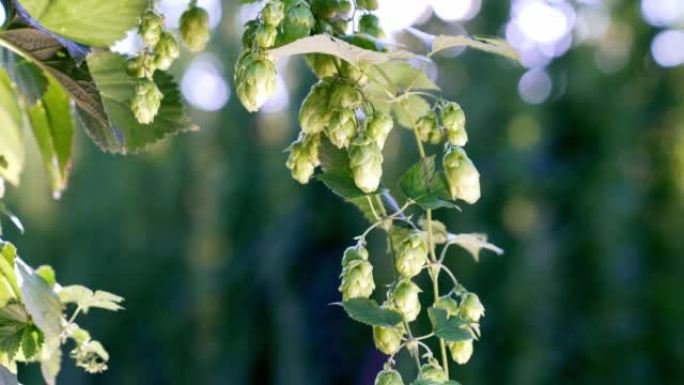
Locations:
(426, 186)
(448, 328)
(474, 243)
(368, 312)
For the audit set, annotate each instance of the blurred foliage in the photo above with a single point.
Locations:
(228, 266)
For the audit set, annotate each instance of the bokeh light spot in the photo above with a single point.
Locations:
(667, 48)
(204, 85)
(461, 10)
(535, 86)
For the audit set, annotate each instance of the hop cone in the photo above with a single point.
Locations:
(303, 158)
(322, 65)
(194, 28)
(387, 340)
(298, 23)
(345, 96)
(265, 36)
(448, 304)
(255, 79)
(378, 127)
(141, 66)
(471, 308)
(461, 351)
(389, 377)
(357, 280)
(146, 101)
(354, 253)
(454, 121)
(413, 252)
(150, 28)
(365, 161)
(433, 372)
(370, 24)
(462, 176)
(249, 34)
(166, 51)
(369, 5)
(405, 299)
(342, 128)
(273, 13)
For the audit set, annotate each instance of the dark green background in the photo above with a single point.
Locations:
(228, 266)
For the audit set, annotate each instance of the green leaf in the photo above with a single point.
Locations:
(426, 186)
(473, 243)
(47, 273)
(91, 22)
(409, 109)
(7, 377)
(9, 289)
(51, 361)
(327, 44)
(425, 382)
(404, 76)
(28, 77)
(117, 89)
(483, 43)
(85, 298)
(368, 312)
(11, 131)
(448, 328)
(40, 301)
(31, 342)
(53, 129)
(13, 321)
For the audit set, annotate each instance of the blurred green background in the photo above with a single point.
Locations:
(228, 266)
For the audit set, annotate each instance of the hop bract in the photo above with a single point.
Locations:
(345, 96)
(298, 23)
(151, 27)
(273, 13)
(405, 299)
(454, 120)
(342, 128)
(413, 252)
(194, 28)
(265, 36)
(378, 127)
(428, 129)
(141, 66)
(357, 280)
(433, 372)
(461, 351)
(448, 304)
(471, 308)
(354, 253)
(314, 115)
(255, 79)
(303, 158)
(462, 176)
(387, 340)
(389, 377)
(146, 101)
(365, 161)
(322, 65)
(166, 51)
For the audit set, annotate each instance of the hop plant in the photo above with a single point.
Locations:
(354, 253)
(412, 256)
(151, 27)
(342, 127)
(454, 120)
(433, 372)
(369, 5)
(314, 115)
(387, 339)
(378, 127)
(388, 377)
(448, 304)
(428, 129)
(471, 308)
(322, 65)
(298, 23)
(265, 36)
(303, 158)
(346, 96)
(146, 101)
(365, 161)
(462, 176)
(461, 351)
(273, 13)
(357, 280)
(166, 51)
(405, 299)
(255, 79)
(370, 24)
(141, 66)
(194, 28)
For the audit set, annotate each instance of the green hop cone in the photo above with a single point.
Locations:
(405, 299)
(342, 128)
(303, 158)
(365, 161)
(357, 280)
(151, 27)
(354, 253)
(462, 176)
(314, 115)
(146, 101)
(298, 23)
(378, 127)
(461, 351)
(352, 73)
(194, 28)
(141, 66)
(255, 79)
(249, 34)
(433, 372)
(448, 304)
(369, 5)
(387, 340)
(370, 24)
(322, 65)
(166, 51)
(454, 121)
(389, 377)
(413, 254)
(324, 9)
(471, 308)
(345, 96)
(273, 13)
(265, 36)
(426, 125)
